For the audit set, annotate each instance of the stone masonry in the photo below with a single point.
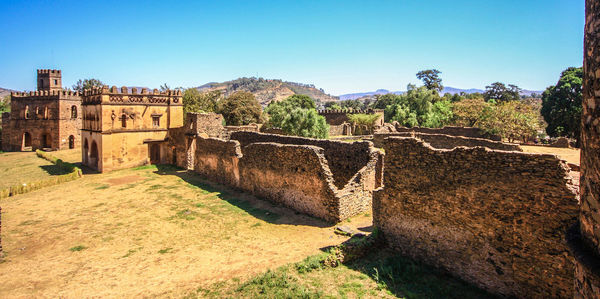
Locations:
(47, 118)
(497, 219)
(586, 242)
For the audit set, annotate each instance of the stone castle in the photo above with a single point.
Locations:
(507, 221)
(49, 117)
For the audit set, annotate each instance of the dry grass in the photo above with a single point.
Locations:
(23, 167)
(569, 154)
(160, 234)
(71, 156)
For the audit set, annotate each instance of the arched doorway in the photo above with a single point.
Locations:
(71, 142)
(26, 140)
(94, 155)
(86, 151)
(46, 140)
(154, 153)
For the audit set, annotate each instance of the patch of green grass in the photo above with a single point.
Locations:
(311, 263)
(77, 248)
(144, 167)
(165, 250)
(257, 224)
(131, 251)
(29, 222)
(185, 214)
(154, 187)
(102, 187)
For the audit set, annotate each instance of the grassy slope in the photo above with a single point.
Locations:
(24, 167)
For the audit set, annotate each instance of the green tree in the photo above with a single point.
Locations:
(561, 104)
(363, 120)
(419, 107)
(382, 101)
(86, 84)
(240, 108)
(196, 101)
(431, 79)
(500, 93)
(5, 104)
(297, 115)
(333, 106)
(471, 112)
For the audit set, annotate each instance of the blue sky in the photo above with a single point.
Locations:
(340, 46)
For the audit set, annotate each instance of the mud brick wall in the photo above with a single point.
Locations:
(453, 131)
(497, 219)
(448, 141)
(209, 124)
(587, 274)
(297, 176)
(345, 159)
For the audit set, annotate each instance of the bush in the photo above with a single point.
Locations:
(297, 115)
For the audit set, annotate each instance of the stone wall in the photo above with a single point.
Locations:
(494, 218)
(587, 274)
(448, 141)
(296, 175)
(453, 131)
(345, 159)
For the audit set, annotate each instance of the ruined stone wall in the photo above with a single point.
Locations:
(345, 159)
(453, 131)
(587, 245)
(217, 160)
(295, 175)
(448, 141)
(205, 124)
(496, 219)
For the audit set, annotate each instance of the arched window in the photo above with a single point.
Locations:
(46, 112)
(124, 121)
(37, 112)
(73, 112)
(27, 113)
(71, 142)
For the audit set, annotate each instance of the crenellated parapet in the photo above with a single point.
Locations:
(44, 93)
(48, 71)
(125, 95)
(349, 111)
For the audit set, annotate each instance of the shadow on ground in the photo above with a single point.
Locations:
(53, 169)
(404, 277)
(256, 207)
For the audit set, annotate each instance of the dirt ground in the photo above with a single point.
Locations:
(571, 155)
(144, 232)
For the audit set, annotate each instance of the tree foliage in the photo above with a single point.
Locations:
(86, 84)
(417, 107)
(431, 79)
(561, 104)
(196, 101)
(5, 104)
(500, 93)
(363, 121)
(511, 120)
(297, 115)
(240, 108)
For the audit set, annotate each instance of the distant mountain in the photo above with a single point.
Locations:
(450, 90)
(268, 90)
(4, 92)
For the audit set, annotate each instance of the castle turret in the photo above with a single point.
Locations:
(49, 80)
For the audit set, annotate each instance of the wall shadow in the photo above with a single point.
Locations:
(254, 206)
(404, 277)
(53, 169)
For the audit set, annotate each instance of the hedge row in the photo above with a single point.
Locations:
(73, 173)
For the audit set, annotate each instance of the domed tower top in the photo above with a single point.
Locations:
(49, 80)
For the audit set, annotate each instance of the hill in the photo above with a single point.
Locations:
(4, 92)
(267, 90)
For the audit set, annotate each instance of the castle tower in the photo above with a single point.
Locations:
(49, 80)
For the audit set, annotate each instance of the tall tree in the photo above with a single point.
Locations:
(240, 108)
(86, 84)
(561, 104)
(431, 79)
(196, 101)
(498, 92)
